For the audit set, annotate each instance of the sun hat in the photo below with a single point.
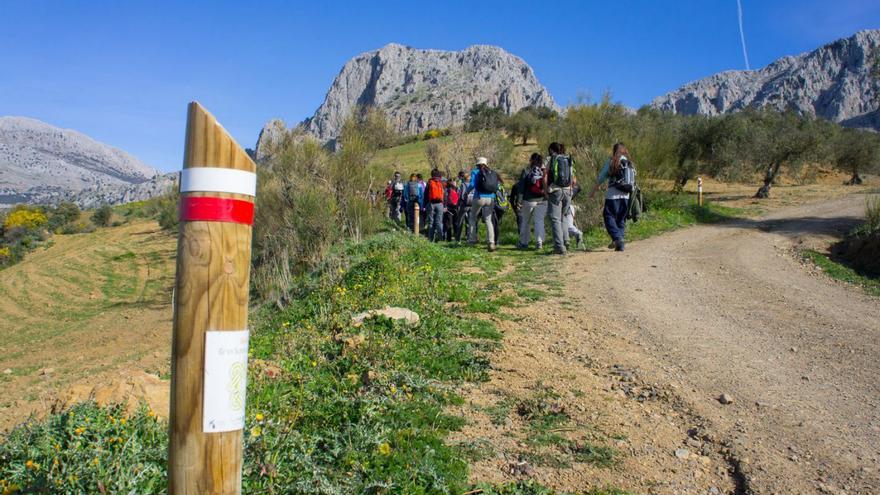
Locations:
(482, 161)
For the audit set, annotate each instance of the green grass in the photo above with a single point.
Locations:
(842, 272)
(666, 212)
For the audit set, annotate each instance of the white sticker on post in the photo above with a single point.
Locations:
(225, 381)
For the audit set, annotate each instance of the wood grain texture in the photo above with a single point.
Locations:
(211, 294)
(416, 219)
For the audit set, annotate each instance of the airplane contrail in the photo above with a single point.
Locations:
(742, 36)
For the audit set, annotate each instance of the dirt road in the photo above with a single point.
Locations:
(654, 336)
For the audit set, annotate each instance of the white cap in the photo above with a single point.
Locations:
(482, 161)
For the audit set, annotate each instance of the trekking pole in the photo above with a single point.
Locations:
(416, 219)
(210, 338)
(700, 191)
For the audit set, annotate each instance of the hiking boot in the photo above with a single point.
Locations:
(613, 245)
(540, 245)
(620, 246)
(522, 247)
(580, 244)
(492, 248)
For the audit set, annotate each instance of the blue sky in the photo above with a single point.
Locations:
(123, 71)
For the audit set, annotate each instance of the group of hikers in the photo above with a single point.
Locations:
(444, 206)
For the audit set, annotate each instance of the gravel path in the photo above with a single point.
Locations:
(728, 309)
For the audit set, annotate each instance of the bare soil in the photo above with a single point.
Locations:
(641, 345)
(89, 315)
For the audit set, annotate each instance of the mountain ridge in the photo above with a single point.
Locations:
(420, 89)
(838, 81)
(42, 163)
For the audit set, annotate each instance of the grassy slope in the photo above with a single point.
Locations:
(61, 306)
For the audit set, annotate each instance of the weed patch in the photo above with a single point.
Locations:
(842, 272)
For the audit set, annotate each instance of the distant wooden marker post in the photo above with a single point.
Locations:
(210, 339)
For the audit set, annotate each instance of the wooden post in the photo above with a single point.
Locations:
(416, 219)
(700, 191)
(209, 343)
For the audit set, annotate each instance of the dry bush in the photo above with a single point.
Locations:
(310, 200)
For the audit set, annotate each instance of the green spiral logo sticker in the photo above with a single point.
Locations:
(237, 377)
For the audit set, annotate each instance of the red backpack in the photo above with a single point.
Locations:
(435, 191)
(452, 199)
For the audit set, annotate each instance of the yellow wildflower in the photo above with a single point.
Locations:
(256, 431)
(29, 464)
(314, 363)
(384, 448)
(95, 461)
(122, 421)
(151, 414)
(79, 431)
(258, 417)
(393, 389)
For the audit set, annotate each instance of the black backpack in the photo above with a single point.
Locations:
(413, 187)
(487, 182)
(561, 171)
(625, 180)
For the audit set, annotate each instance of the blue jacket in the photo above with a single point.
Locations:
(420, 199)
(472, 185)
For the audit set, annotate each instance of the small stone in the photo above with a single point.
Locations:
(7, 371)
(713, 490)
(793, 349)
(725, 399)
(682, 453)
(46, 371)
(407, 316)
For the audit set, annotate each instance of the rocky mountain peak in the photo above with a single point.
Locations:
(42, 163)
(838, 81)
(423, 89)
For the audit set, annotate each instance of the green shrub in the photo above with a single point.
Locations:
(62, 214)
(87, 449)
(101, 217)
(872, 214)
(77, 227)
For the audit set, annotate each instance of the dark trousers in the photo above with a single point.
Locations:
(449, 223)
(460, 220)
(498, 213)
(614, 214)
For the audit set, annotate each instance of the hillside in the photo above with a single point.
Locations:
(838, 82)
(421, 89)
(81, 311)
(41, 163)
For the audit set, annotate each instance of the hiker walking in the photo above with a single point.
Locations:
(502, 204)
(423, 210)
(484, 184)
(620, 174)
(451, 211)
(516, 198)
(435, 195)
(394, 195)
(534, 202)
(413, 194)
(463, 204)
(570, 225)
(558, 187)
